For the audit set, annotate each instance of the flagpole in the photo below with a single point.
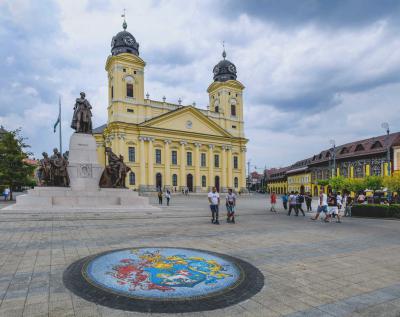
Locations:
(59, 109)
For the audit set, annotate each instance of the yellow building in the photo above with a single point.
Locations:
(299, 177)
(170, 145)
(277, 180)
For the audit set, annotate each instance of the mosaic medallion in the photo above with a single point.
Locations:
(163, 279)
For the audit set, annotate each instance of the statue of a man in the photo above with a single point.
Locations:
(115, 172)
(45, 170)
(82, 118)
(60, 170)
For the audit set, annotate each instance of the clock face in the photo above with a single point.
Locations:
(128, 40)
(232, 68)
(216, 70)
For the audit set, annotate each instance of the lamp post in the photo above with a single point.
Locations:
(385, 126)
(333, 151)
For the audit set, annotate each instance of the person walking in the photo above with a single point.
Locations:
(308, 199)
(292, 203)
(339, 201)
(322, 205)
(168, 196)
(284, 200)
(273, 202)
(6, 193)
(230, 206)
(160, 197)
(299, 204)
(214, 200)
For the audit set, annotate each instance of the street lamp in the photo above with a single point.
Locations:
(333, 143)
(385, 126)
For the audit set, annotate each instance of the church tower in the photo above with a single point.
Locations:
(226, 97)
(125, 71)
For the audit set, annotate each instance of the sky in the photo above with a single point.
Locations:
(313, 70)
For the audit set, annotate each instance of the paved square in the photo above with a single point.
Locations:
(310, 268)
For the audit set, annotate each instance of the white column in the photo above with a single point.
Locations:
(223, 170)
(167, 163)
(182, 178)
(142, 160)
(150, 162)
(197, 176)
(210, 180)
(229, 167)
(243, 171)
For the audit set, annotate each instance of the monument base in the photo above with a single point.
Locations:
(68, 198)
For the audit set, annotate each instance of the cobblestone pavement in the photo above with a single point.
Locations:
(310, 268)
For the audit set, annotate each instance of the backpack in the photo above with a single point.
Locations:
(301, 198)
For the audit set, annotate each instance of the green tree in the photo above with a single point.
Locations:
(373, 182)
(14, 171)
(392, 183)
(337, 183)
(323, 182)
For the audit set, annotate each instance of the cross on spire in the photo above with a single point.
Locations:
(223, 52)
(124, 24)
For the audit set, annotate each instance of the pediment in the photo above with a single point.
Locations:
(188, 120)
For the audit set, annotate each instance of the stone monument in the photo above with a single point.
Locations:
(71, 181)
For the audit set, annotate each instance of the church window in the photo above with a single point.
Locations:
(112, 92)
(124, 70)
(216, 109)
(203, 160)
(158, 156)
(132, 178)
(235, 162)
(216, 160)
(174, 157)
(131, 154)
(236, 182)
(174, 180)
(129, 90)
(233, 110)
(233, 127)
(203, 181)
(129, 110)
(189, 158)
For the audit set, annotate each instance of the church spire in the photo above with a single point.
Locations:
(124, 24)
(223, 52)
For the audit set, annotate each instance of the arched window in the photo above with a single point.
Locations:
(174, 180)
(236, 182)
(112, 92)
(203, 181)
(216, 109)
(129, 90)
(233, 110)
(132, 178)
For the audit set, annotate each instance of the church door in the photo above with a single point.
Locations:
(159, 181)
(189, 182)
(217, 183)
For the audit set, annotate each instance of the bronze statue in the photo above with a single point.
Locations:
(82, 118)
(115, 172)
(60, 172)
(45, 178)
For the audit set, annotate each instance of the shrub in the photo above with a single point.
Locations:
(376, 211)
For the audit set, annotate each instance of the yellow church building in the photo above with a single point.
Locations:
(170, 145)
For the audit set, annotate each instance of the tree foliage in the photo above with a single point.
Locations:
(14, 171)
(392, 182)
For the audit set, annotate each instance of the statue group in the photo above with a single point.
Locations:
(115, 172)
(53, 170)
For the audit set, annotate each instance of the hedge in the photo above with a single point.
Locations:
(376, 211)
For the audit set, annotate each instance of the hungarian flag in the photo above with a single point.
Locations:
(59, 116)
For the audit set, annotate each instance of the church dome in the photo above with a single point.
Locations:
(224, 70)
(124, 42)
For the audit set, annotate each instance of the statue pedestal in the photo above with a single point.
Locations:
(83, 169)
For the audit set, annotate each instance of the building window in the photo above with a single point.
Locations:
(112, 92)
(129, 90)
(216, 160)
(236, 182)
(124, 70)
(158, 156)
(235, 162)
(132, 178)
(233, 110)
(203, 181)
(174, 157)
(233, 127)
(203, 160)
(189, 158)
(129, 110)
(174, 180)
(131, 154)
(216, 109)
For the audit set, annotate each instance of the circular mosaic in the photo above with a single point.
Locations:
(163, 279)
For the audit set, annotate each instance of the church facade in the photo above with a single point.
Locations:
(170, 145)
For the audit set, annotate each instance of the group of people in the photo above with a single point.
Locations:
(230, 203)
(330, 205)
(295, 201)
(167, 195)
(53, 170)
